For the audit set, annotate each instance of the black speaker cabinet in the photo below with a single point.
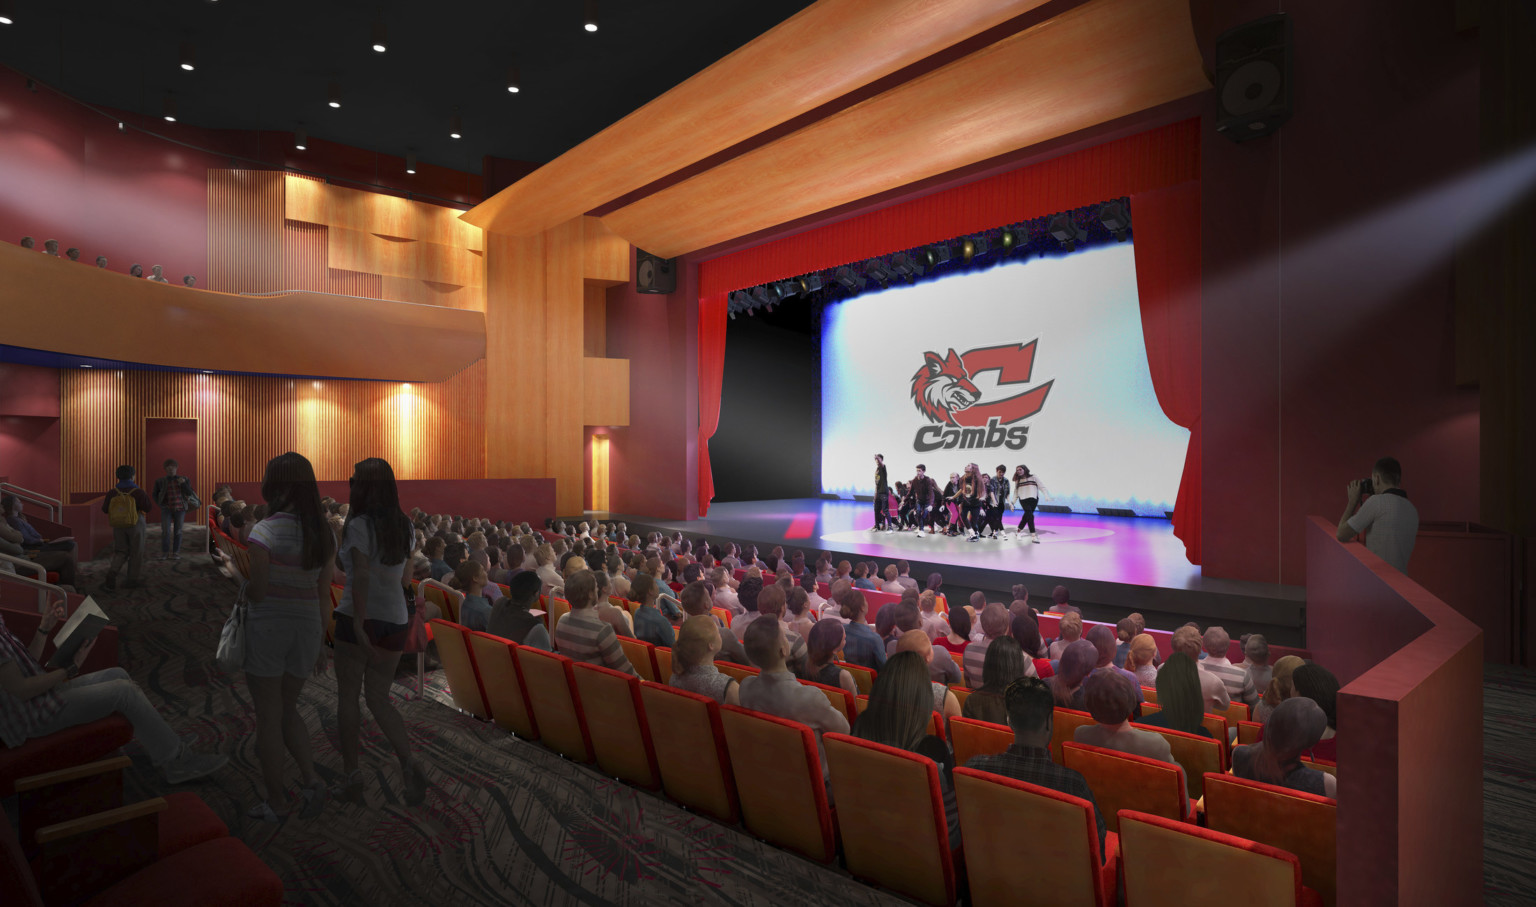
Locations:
(654, 275)
(1253, 78)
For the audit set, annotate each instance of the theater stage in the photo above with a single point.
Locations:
(1113, 565)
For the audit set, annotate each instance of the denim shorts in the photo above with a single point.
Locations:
(278, 644)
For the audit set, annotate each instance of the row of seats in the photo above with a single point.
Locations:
(888, 823)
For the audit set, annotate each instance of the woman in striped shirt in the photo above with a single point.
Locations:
(289, 592)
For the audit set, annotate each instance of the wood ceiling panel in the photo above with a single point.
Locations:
(1098, 62)
(822, 53)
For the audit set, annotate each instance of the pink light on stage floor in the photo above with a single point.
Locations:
(801, 527)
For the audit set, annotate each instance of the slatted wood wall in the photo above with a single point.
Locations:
(245, 231)
(426, 431)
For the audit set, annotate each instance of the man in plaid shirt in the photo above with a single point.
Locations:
(171, 493)
(1030, 714)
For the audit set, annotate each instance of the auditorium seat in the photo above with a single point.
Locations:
(1009, 824)
(779, 785)
(1125, 781)
(1215, 724)
(841, 699)
(505, 692)
(1149, 694)
(892, 823)
(619, 602)
(446, 599)
(689, 743)
(961, 691)
(1195, 753)
(67, 793)
(724, 614)
(639, 652)
(935, 724)
(1157, 855)
(663, 656)
(1064, 725)
(1322, 765)
(556, 705)
(616, 725)
(971, 738)
(740, 672)
(558, 608)
(863, 678)
(1236, 711)
(459, 667)
(1248, 732)
(1300, 823)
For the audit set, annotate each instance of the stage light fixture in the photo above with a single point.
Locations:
(937, 254)
(1066, 231)
(809, 284)
(7, 14)
(788, 288)
(906, 265)
(589, 15)
(514, 80)
(877, 269)
(739, 301)
(765, 296)
(380, 36)
(168, 108)
(300, 139)
(1015, 237)
(121, 126)
(188, 56)
(410, 162)
(849, 278)
(333, 96)
(1115, 218)
(456, 127)
(973, 247)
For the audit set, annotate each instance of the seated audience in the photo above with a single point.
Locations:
(1293, 728)
(544, 557)
(696, 601)
(1027, 632)
(1187, 639)
(934, 623)
(1125, 630)
(861, 578)
(892, 583)
(693, 661)
(1005, 664)
(902, 569)
(957, 634)
(863, 646)
(1318, 684)
(915, 640)
(582, 635)
(1179, 697)
(650, 625)
(1077, 662)
(1280, 687)
(1061, 602)
(994, 625)
(1031, 716)
(1239, 685)
(775, 691)
(1071, 631)
(1103, 639)
(36, 702)
(899, 713)
(614, 566)
(511, 616)
(942, 666)
(1143, 651)
(823, 648)
(799, 617)
(1111, 699)
(1256, 661)
(475, 609)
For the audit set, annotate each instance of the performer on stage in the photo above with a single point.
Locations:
(997, 501)
(952, 503)
(1027, 486)
(882, 496)
(925, 492)
(972, 489)
(903, 506)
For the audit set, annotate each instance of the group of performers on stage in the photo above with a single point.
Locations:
(972, 503)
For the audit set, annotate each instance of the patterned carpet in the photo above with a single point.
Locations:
(506, 822)
(1509, 785)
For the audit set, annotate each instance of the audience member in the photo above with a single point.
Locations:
(775, 691)
(799, 617)
(693, 661)
(650, 625)
(54, 555)
(1280, 687)
(1390, 522)
(1112, 699)
(28, 243)
(582, 635)
(292, 556)
(475, 610)
(136, 270)
(1294, 728)
(1071, 629)
(902, 569)
(1031, 716)
(126, 506)
(1239, 685)
(1143, 651)
(72, 253)
(155, 274)
(1077, 662)
(1125, 629)
(862, 645)
(1318, 684)
(372, 625)
(1181, 703)
(899, 713)
(891, 583)
(51, 247)
(1187, 639)
(823, 648)
(1103, 639)
(861, 578)
(101, 261)
(1005, 664)
(512, 617)
(934, 623)
(1256, 661)
(1027, 632)
(696, 601)
(915, 640)
(434, 549)
(994, 625)
(1061, 602)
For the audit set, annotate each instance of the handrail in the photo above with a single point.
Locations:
(42, 575)
(54, 505)
(44, 589)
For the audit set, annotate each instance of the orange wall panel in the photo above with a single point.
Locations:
(316, 202)
(356, 250)
(517, 363)
(606, 391)
(606, 255)
(564, 316)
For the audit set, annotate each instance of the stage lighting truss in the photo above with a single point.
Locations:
(936, 255)
(1066, 231)
(1014, 238)
(974, 247)
(1116, 219)
(905, 265)
(848, 278)
(877, 269)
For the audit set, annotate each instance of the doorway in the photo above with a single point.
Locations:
(170, 439)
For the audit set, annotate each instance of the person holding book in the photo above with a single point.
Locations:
(36, 701)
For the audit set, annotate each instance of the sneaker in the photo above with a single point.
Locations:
(1034, 538)
(314, 800)
(176, 556)
(919, 533)
(262, 812)
(190, 766)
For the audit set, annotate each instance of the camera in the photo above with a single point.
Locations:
(1367, 486)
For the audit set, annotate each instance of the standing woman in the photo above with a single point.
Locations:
(972, 486)
(291, 553)
(1027, 488)
(372, 623)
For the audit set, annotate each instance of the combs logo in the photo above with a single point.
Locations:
(943, 391)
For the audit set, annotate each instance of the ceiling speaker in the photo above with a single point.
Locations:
(654, 275)
(1253, 78)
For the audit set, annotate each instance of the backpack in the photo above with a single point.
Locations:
(123, 511)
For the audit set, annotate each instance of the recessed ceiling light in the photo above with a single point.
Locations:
(83, 365)
(589, 15)
(300, 139)
(188, 56)
(168, 108)
(207, 372)
(334, 95)
(380, 36)
(514, 80)
(410, 162)
(456, 127)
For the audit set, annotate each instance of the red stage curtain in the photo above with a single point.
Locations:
(1167, 224)
(712, 320)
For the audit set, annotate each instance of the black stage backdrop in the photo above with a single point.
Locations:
(768, 444)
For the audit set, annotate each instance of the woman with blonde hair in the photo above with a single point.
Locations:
(693, 661)
(544, 556)
(1280, 687)
(1143, 651)
(1071, 630)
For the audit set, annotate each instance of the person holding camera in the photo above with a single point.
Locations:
(1388, 519)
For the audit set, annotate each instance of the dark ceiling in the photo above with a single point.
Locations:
(267, 64)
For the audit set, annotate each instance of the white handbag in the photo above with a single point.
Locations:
(231, 652)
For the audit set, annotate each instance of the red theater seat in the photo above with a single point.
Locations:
(69, 747)
(1158, 854)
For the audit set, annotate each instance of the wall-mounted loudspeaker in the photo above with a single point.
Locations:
(1253, 78)
(654, 275)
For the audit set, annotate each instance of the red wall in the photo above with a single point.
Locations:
(519, 500)
(29, 426)
(1316, 360)
(653, 462)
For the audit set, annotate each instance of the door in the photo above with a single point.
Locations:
(170, 439)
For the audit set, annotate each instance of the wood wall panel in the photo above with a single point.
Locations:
(517, 362)
(388, 257)
(245, 231)
(426, 431)
(606, 255)
(564, 315)
(605, 388)
(316, 202)
(825, 51)
(1094, 63)
(594, 337)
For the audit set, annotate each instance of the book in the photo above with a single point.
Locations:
(82, 627)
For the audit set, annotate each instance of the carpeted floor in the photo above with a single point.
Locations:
(1509, 785)
(506, 822)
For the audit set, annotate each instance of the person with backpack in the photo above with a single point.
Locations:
(172, 494)
(125, 506)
